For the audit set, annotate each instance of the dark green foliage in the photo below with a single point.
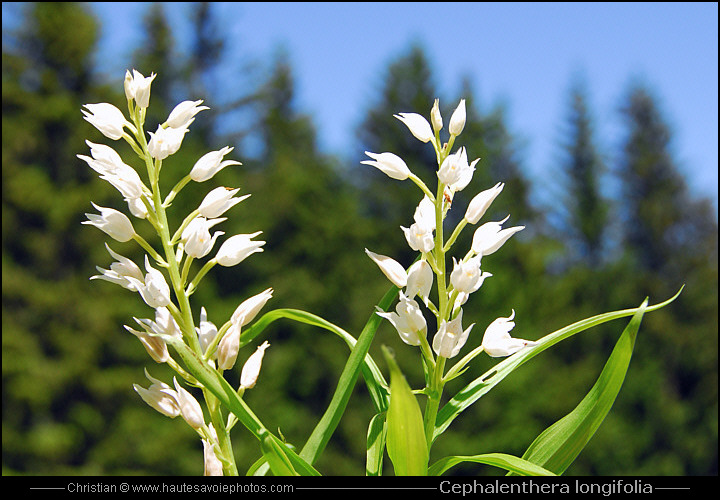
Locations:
(69, 366)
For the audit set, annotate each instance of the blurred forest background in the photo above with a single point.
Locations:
(68, 365)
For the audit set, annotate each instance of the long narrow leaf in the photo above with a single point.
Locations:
(279, 463)
(328, 423)
(377, 432)
(406, 443)
(216, 384)
(377, 386)
(557, 446)
(508, 462)
(483, 384)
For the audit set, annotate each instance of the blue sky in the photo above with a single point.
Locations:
(520, 55)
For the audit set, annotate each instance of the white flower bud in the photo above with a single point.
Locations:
(237, 248)
(108, 119)
(114, 223)
(436, 117)
(251, 368)
(394, 271)
(450, 337)
(419, 237)
(418, 125)
(206, 332)
(490, 236)
(190, 409)
(138, 87)
(466, 276)
(155, 290)
(196, 236)
(165, 141)
(228, 347)
(210, 164)
(420, 280)
(455, 171)
(481, 202)
(183, 114)
(218, 201)
(247, 311)
(497, 341)
(457, 120)
(391, 164)
(213, 466)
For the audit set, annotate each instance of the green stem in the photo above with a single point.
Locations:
(216, 417)
(433, 404)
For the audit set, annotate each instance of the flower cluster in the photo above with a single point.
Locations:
(173, 322)
(425, 235)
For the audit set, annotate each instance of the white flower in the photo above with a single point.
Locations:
(105, 160)
(251, 368)
(418, 125)
(155, 290)
(457, 120)
(206, 332)
(183, 114)
(218, 201)
(490, 236)
(394, 271)
(107, 119)
(138, 87)
(159, 396)
(164, 326)
(450, 337)
(137, 207)
(455, 171)
(165, 141)
(111, 168)
(466, 276)
(425, 213)
(213, 465)
(436, 117)
(119, 271)
(237, 248)
(196, 236)
(419, 237)
(408, 320)
(497, 341)
(481, 202)
(420, 280)
(155, 346)
(210, 164)
(126, 180)
(189, 407)
(112, 222)
(228, 347)
(391, 164)
(247, 311)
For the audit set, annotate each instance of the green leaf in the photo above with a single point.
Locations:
(557, 446)
(406, 442)
(274, 453)
(372, 374)
(328, 423)
(377, 433)
(508, 462)
(483, 384)
(215, 383)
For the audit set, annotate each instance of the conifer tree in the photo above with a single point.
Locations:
(586, 210)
